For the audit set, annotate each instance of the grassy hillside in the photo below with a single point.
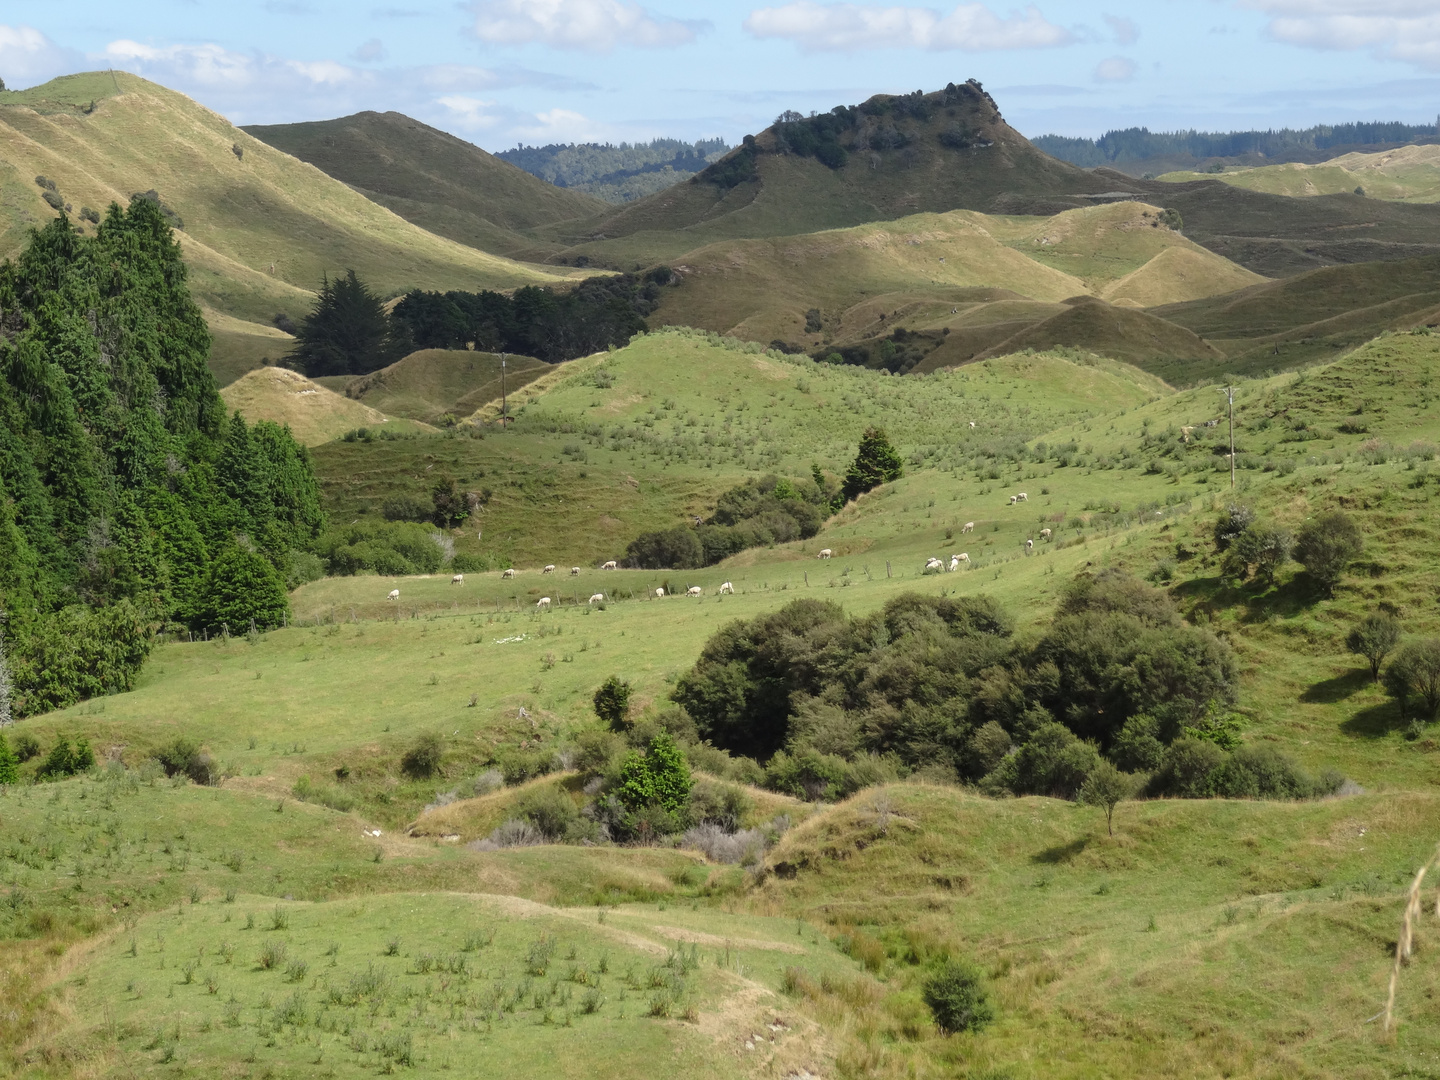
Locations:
(1409, 174)
(1212, 937)
(443, 184)
(920, 271)
(434, 383)
(259, 228)
(315, 415)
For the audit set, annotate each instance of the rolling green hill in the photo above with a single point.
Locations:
(1407, 174)
(430, 384)
(441, 183)
(259, 228)
(853, 285)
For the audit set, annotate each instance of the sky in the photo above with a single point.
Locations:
(502, 72)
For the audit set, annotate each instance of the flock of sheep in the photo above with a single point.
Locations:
(932, 566)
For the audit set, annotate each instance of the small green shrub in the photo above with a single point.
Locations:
(422, 760)
(957, 998)
(612, 702)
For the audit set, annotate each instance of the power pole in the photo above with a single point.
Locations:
(1230, 397)
(502, 391)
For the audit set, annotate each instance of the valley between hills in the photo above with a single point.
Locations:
(892, 603)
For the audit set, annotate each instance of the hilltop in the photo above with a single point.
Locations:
(258, 227)
(313, 413)
(441, 183)
(433, 384)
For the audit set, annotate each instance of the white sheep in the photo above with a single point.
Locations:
(1045, 534)
(508, 573)
(954, 563)
(611, 565)
(543, 603)
(550, 569)
(659, 593)
(574, 571)
(969, 526)
(1022, 497)
(1014, 499)
(726, 587)
(598, 598)
(963, 557)
(933, 566)
(1029, 546)
(825, 553)
(694, 590)
(394, 595)
(972, 425)
(458, 579)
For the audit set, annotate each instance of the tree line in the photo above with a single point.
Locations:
(1138, 144)
(128, 500)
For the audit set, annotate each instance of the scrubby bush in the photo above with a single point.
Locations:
(717, 803)
(1231, 525)
(612, 702)
(517, 766)
(1106, 787)
(422, 760)
(406, 508)
(1374, 638)
(551, 810)
(65, 760)
(1327, 545)
(660, 777)
(305, 567)
(957, 998)
(745, 846)
(392, 549)
(26, 746)
(1260, 549)
(1414, 676)
(1052, 761)
(183, 757)
(470, 564)
(9, 763)
(512, 833)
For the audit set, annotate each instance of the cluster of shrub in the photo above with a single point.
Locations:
(1255, 549)
(898, 353)
(941, 687)
(179, 757)
(766, 511)
(128, 501)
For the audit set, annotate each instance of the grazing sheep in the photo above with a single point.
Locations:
(611, 565)
(543, 603)
(694, 590)
(659, 592)
(963, 557)
(972, 425)
(394, 595)
(954, 563)
(969, 526)
(508, 573)
(1022, 497)
(726, 587)
(598, 598)
(933, 566)
(1029, 546)
(1045, 534)
(458, 579)
(825, 553)
(549, 569)
(574, 571)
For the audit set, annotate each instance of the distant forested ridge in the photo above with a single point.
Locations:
(1138, 144)
(128, 501)
(620, 173)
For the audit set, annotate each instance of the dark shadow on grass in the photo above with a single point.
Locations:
(1061, 853)
(1375, 722)
(1329, 691)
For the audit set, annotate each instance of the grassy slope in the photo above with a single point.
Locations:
(428, 384)
(1409, 174)
(314, 414)
(242, 216)
(762, 289)
(439, 182)
(1206, 938)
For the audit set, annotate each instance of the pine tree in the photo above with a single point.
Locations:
(348, 332)
(876, 462)
(242, 587)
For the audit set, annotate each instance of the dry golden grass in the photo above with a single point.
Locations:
(314, 414)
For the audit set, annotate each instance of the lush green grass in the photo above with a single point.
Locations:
(1206, 938)
(434, 383)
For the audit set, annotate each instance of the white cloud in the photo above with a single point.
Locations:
(1404, 30)
(1115, 69)
(587, 25)
(847, 27)
(1125, 30)
(28, 57)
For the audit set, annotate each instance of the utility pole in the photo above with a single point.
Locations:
(1230, 397)
(502, 392)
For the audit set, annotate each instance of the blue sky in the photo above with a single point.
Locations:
(499, 72)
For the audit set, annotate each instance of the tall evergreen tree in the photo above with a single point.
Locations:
(348, 332)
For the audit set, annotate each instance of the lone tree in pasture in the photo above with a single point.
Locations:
(1374, 638)
(1106, 787)
(957, 998)
(612, 702)
(422, 760)
(1327, 545)
(451, 505)
(876, 463)
(1415, 673)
